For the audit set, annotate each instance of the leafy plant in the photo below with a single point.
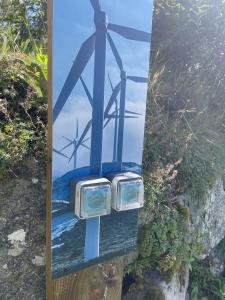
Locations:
(23, 81)
(204, 284)
(24, 23)
(164, 244)
(22, 111)
(186, 108)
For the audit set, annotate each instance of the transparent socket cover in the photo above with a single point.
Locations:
(95, 201)
(92, 198)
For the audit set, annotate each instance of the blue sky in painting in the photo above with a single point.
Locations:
(72, 25)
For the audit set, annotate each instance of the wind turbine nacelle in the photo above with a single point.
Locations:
(127, 191)
(91, 198)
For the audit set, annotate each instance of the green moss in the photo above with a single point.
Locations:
(164, 243)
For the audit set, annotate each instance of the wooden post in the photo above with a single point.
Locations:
(103, 281)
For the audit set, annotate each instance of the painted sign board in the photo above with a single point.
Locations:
(100, 67)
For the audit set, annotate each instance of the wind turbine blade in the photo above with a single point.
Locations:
(71, 157)
(112, 87)
(84, 141)
(67, 146)
(107, 122)
(130, 33)
(58, 152)
(67, 139)
(77, 129)
(130, 117)
(81, 138)
(110, 117)
(86, 129)
(132, 112)
(86, 91)
(95, 4)
(111, 83)
(78, 67)
(138, 79)
(85, 146)
(113, 98)
(115, 53)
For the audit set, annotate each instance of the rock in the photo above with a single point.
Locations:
(217, 266)
(2, 223)
(17, 236)
(17, 240)
(217, 259)
(177, 288)
(38, 260)
(22, 233)
(35, 180)
(207, 217)
(5, 272)
(16, 251)
(154, 287)
(130, 257)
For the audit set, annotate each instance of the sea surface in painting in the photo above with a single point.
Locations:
(73, 24)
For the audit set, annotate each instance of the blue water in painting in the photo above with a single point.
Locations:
(69, 238)
(118, 230)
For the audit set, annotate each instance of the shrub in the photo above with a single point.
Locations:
(204, 284)
(23, 115)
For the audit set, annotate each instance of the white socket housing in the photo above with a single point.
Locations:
(91, 198)
(127, 191)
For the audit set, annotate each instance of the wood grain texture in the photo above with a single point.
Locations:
(49, 282)
(103, 281)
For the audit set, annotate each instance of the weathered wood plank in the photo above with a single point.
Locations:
(103, 281)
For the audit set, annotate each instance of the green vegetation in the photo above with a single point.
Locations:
(203, 163)
(164, 243)
(185, 134)
(204, 285)
(24, 24)
(221, 248)
(23, 82)
(186, 108)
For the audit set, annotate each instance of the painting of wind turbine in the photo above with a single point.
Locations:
(116, 115)
(100, 77)
(96, 42)
(75, 143)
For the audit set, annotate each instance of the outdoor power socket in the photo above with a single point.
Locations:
(127, 191)
(91, 197)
